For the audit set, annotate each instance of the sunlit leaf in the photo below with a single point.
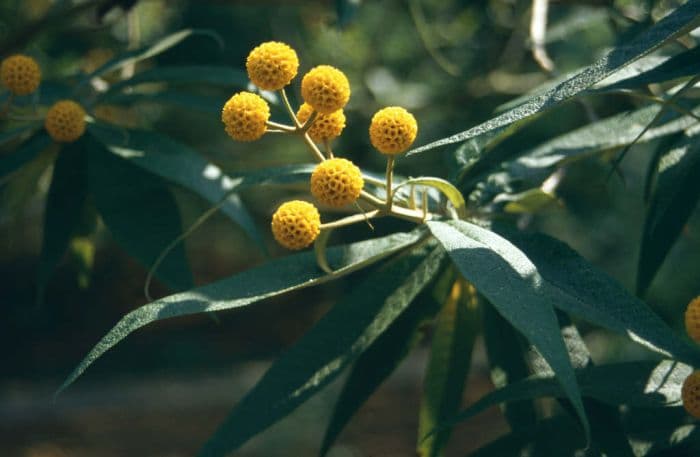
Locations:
(511, 282)
(456, 328)
(675, 196)
(268, 280)
(681, 20)
(178, 163)
(146, 52)
(375, 365)
(585, 291)
(346, 331)
(199, 74)
(140, 212)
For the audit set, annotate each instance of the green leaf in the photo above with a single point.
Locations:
(201, 103)
(65, 209)
(683, 19)
(681, 65)
(646, 384)
(554, 436)
(10, 135)
(26, 152)
(146, 52)
(530, 201)
(199, 74)
(347, 330)
(140, 212)
(662, 432)
(451, 192)
(675, 195)
(507, 364)
(583, 290)
(375, 365)
(181, 165)
(456, 327)
(603, 135)
(271, 279)
(511, 282)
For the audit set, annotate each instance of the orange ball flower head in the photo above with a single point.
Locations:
(296, 224)
(692, 319)
(20, 74)
(326, 127)
(272, 65)
(245, 116)
(65, 121)
(690, 393)
(393, 130)
(336, 182)
(325, 88)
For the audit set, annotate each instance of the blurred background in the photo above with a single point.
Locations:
(164, 389)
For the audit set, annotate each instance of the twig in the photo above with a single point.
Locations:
(538, 32)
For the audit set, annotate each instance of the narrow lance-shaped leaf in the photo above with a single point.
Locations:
(177, 98)
(65, 207)
(681, 20)
(177, 163)
(199, 74)
(346, 331)
(376, 364)
(273, 278)
(455, 331)
(507, 362)
(584, 291)
(648, 384)
(146, 52)
(687, 63)
(511, 282)
(28, 151)
(140, 212)
(451, 192)
(675, 195)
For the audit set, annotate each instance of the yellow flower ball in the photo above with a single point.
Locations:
(393, 130)
(326, 126)
(296, 224)
(336, 182)
(692, 319)
(325, 88)
(690, 393)
(65, 121)
(20, 74)
(245, 115)
(272, 65)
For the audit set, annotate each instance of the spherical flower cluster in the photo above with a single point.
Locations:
(325, 88)
(65, 121)
(690, 393)
(392, 130)
(245, 116)
(692, 319)
(20, 74)
(272, 65)
(296, 224)
(326, 126)
(336, 182)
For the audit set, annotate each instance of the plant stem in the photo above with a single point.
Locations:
(310, 121)
(290, 110)
(389, 177)
(283, 127)
(351, 219)
(314, 149)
